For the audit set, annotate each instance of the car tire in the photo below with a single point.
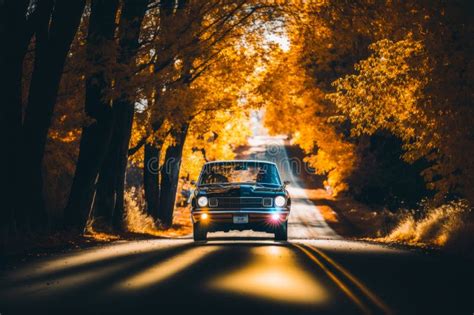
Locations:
(281, 233)
(199, 232)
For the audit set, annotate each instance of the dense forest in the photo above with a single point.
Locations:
(378, 95)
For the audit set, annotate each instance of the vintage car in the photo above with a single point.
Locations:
(240, 195)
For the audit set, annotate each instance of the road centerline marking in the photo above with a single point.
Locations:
(363, 288)
(335, 279)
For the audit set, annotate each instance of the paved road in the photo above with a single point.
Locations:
(317, 271)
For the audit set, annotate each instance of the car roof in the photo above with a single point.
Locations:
(241, 161)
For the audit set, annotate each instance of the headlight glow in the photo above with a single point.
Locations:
(280, 201)
(275, 217)
(202, 201)
(204, 216)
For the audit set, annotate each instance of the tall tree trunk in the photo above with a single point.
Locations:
(124, 110)
(170, 176)
(112, 174)
(54, 35)
(151, 169)
(12, 26)
(151, 178)
(96, 136)
(105, 196)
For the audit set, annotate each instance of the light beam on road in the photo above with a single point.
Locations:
(273, 274)
(167, 268)
(90, 256)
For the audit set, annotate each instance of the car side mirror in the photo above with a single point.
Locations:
(286, 182)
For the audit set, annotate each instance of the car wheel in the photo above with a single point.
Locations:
(281, 233)
(199, 232)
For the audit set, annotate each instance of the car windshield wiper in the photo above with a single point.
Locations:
(217, 184)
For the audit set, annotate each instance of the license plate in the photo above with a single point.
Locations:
(241, 218)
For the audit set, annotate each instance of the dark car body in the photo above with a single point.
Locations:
(232, 204)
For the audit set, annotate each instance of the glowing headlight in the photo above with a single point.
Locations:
(280, 201)
(202, 201)
(204, 216)
(275, 217)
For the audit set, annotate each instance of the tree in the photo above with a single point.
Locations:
(112, 173)
(13, 30)
(366, 69)
(204, 30)
(307, 119)
(96, 136)
(412, 87)
(56, 27)
(170, 175)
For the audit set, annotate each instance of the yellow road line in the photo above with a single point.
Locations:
(335, 279)
(370, 295)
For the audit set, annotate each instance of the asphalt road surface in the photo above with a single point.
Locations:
(315, 272)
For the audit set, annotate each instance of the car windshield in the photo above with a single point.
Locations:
(240, 172)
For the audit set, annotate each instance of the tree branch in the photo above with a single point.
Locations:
(139, 145)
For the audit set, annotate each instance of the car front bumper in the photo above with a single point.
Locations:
(256, 219)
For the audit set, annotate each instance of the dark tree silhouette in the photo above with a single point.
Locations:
(57, 23)
(97, 134)
(112, 173)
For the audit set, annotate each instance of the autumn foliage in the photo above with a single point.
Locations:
(363, 72)
(104, 95)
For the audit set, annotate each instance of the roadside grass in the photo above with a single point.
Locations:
(448, 226)
(138, 221)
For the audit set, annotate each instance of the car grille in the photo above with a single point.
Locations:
(236, 202)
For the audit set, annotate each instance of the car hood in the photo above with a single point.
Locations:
(239, 190)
